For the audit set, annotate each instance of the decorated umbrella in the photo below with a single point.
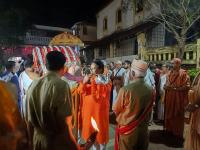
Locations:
(40, 52)
(69, 45)
(66, 39)
(66, 43)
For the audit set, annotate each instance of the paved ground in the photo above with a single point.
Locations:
(158, 140)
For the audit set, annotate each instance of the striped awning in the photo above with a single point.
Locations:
(40, 52)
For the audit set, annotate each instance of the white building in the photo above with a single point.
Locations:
(85, 31)
(123, 33)
(37, 35)
(42, 35)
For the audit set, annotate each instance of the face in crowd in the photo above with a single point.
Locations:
(97, 67)
(127, 64)
(176, 64)
(112, 65)
(152, 67)
(164, 69)
(11, 66)
(94, 68)
(118, 65)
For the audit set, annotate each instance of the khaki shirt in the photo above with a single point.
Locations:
(49, 101)
(132, 101)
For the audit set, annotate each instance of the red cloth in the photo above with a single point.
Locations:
(131, 127)
(73, 78)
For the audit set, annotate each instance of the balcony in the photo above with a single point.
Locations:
(166, 54)
(36, 40)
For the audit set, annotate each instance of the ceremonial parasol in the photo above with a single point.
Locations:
(66, 43)
(66, 39)
(40, 52)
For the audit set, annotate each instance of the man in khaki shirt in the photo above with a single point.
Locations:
(49, 102)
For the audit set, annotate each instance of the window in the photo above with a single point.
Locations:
(119, 16)
(100, 52)
(84, 30)
(156, 37)
(138, 5)
(125, 47)
(105, 24)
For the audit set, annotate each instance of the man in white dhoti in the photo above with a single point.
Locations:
(163, 79)
(118, 79)
(25, 80)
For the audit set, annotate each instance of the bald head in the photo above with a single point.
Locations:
(176, 63)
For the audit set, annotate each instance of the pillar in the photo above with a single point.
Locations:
(159, 57)
(141, 38)
(198, 53)
(111, 50)
(169, 56)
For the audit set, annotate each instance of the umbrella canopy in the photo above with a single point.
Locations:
(66, 39)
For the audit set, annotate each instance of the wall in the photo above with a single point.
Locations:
(110, 12)
(147, 13)
(91, 33)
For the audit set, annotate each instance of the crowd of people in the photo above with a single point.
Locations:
(53, 110)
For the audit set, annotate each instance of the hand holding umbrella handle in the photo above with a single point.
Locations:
(90, 141)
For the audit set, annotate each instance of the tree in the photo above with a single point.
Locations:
(177, 16)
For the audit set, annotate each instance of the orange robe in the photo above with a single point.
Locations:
(12, 129)
(95, 104)
(192, 141)
(176, 101)
(76, 110)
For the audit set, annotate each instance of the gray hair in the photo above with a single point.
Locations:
(138, 73)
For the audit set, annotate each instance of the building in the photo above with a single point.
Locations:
(87, 32)
(37, 35)
(42, 35)
(125, 32)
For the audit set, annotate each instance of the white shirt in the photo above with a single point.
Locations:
(163, 80)
(126, 77)
(149, 78)
(24, 83)
(120, 73)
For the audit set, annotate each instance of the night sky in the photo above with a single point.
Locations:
(63, 13)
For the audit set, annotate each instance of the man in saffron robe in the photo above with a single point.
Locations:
(192, 141)
(12, 129)
(132, 109)
(176, 99)
(95, 91)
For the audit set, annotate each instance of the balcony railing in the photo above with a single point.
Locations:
(165, 54)
(36, 40)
